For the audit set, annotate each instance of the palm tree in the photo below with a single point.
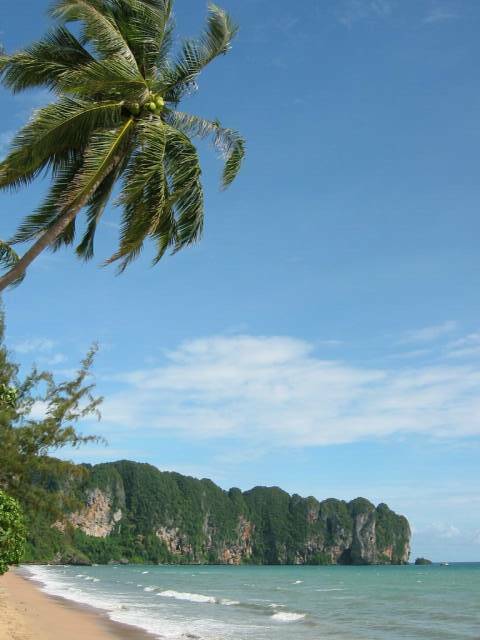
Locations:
(115, 118)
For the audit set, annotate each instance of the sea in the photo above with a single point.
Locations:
(279, 602)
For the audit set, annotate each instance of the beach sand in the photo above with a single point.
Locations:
(28, 614)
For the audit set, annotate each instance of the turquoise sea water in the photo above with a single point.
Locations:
(280, 603)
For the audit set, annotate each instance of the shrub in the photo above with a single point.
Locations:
(12, 532)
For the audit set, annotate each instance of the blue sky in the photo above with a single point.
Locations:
(325, 334)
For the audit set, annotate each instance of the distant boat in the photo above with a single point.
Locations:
(444, 564)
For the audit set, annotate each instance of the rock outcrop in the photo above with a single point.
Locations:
(134, 512)
(97, 518)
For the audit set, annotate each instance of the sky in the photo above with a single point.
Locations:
(324, 336)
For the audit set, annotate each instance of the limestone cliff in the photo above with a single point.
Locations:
(134, 512)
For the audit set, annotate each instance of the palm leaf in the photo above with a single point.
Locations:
(227, 141)
(54, 130)
(74, 183)
(95, 209)
(98, 26)
(42, 219)
(147, 27)
(42, 63)
(186, 196)
(196, 54)
(106, 150)
(162, 195)
(144, 193)
(110, 78)
(8, 259)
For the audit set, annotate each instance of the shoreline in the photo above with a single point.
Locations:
(28, 613)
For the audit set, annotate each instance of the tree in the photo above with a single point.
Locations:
(12, 532)
(115, 118)
(38, 416)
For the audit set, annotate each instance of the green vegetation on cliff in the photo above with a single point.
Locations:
(422, 561)
(132, 512)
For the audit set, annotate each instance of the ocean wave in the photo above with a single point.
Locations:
(175, 629)
(149, 588)
(285, 616)
(228, 603)
(190, 597)
(332, 589)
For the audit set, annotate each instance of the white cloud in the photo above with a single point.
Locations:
(440, 12)
(38, 410)
(410, 355)
(276, 391)
(34, 345)
(353, 11)
(429, 334)
(465, 347)
(445, 531)
(56, 358)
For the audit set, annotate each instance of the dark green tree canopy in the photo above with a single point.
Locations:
(116, 118)
(12, 532)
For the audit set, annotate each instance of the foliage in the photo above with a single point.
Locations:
(12, 532)
(27, 470)
(205, 520)
(115, 118)
(422, 561)
(391, 531)
(9, 259)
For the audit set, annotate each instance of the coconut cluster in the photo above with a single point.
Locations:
(154, 105)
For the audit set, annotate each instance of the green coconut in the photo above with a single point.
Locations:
(160, 102)
(151, 106)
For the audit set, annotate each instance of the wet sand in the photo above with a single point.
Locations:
(26, 613)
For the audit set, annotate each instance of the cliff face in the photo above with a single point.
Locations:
(133, 512)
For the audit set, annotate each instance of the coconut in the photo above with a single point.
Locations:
(159, 101)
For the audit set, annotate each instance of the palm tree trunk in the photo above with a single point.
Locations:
(47, 239)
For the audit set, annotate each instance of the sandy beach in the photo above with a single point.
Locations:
(28, 614)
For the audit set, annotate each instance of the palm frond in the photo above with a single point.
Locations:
(147, 27)
(78, 180)
(144, 193)
(162, 196)
(182, 167)
(105, 150)
(54, 130)
(110, 78)
(196, 54)
(95, 209)
(42, 63)
(98, 26)
(226, 141)
(8, 259)
(38, 222)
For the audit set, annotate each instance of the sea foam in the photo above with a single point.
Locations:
(285, 616)
(190, 597)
